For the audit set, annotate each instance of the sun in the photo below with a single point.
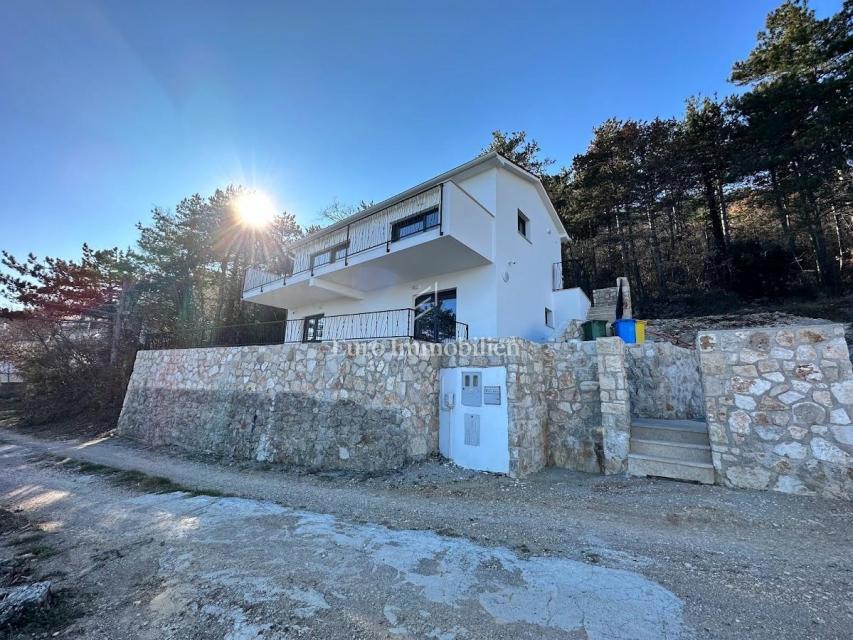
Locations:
(255, 209)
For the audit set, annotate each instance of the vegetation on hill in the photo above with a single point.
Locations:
(749, 194)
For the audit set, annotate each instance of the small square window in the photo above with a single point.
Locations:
(549, 318)
(523, 224)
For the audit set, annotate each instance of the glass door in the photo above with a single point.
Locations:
(435, 316)
(312, 330)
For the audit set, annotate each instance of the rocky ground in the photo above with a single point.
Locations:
(196, 550)
(682, 331)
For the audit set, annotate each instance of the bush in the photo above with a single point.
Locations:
(68, 376)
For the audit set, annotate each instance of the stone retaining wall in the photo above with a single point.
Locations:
(779, 403)
(574, 406)
(301, 404)
(664, 381)
(311, 406)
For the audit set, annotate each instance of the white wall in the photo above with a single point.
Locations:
(468, 221)
(524, 267)
(483, 187)
(569, 304)
(507, 298)
(475, 299)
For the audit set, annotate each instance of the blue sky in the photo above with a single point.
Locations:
(110, 108)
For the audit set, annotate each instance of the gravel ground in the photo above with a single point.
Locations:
(682, 331)
(432, 551)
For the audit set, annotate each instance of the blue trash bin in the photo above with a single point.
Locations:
(626, 329)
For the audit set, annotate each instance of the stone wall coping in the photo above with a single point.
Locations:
(638, 348)
(589, 345)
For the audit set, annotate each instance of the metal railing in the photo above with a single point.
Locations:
(370, 325)
(258, 278)
(569, 274)
(364, 234)
(238, 335)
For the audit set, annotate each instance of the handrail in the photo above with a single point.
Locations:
(345, 237)
(568, 274)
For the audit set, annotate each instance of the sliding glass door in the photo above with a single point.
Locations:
(435, 316)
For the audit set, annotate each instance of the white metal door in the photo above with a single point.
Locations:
(473, 418)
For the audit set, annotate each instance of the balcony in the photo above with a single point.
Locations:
(374, 325)
(438, 230)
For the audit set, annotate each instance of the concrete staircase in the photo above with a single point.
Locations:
(677, 449)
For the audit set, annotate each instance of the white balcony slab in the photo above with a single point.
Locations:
(432, 255)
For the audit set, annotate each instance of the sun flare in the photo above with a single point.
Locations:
(255, 209)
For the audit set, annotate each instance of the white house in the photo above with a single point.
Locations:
(474, 252)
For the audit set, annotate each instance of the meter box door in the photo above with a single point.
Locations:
(473, 418)
(472, 388)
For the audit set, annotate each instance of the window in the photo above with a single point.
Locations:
(312, 328)
(417, 223)
(328, 256)
(549, 318)
(523, 224)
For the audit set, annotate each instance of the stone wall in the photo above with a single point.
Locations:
(615, 404)
(779, 403)
(301, 404)
(574, 439)
(664, 381)
(311, 406)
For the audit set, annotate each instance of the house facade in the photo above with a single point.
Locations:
(474, 252)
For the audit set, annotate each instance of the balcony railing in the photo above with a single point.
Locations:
(423, 211)
(372, 325)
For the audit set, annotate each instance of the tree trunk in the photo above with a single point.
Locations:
(661, 276)
(118, 324)
(220, 298)
(641, 288)
(724, 213)
(782, 212)
(717, 232)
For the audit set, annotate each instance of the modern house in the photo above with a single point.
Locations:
(473, 252)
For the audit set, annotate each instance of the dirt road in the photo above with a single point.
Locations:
(433, 552)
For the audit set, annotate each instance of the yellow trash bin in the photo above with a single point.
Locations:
(640, 330)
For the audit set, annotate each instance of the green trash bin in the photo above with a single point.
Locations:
(593, 329)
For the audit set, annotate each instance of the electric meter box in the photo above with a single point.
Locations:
(472, 390)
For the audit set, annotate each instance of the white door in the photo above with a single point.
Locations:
(473, 418)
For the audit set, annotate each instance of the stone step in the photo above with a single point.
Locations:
(607, 313)
(684, 431)
(641, 465)
(681, 451)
